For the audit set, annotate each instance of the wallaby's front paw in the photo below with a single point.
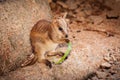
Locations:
(52, 54)
(60, 54)
(67, 40)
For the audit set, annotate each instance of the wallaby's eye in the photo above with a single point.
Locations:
(60, 28)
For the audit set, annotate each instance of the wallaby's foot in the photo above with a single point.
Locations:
(34, 60)
(46, 62)
(30, 60)
(63, 45)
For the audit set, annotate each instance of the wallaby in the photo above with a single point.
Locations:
(45, 37)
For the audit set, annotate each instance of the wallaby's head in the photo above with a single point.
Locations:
(60, 27)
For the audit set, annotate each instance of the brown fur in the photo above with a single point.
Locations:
(45, 36)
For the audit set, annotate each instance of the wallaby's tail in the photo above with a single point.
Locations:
(30, 61)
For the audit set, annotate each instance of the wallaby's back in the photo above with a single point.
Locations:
(42, 26)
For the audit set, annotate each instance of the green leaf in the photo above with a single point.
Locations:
(66, 54)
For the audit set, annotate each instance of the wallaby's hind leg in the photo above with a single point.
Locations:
(30, 60)
(34, 60)
(42, 59)
(46, 62)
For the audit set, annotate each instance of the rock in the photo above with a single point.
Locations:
(96, 19)
(17, 17)
(113, 58)
(62, 4)
(88, 12)
(95, 78)
(113, 13)
(71, 4)
(106, 65)
(101, 75)
(112, 71)
(53, 5)
(107, 59)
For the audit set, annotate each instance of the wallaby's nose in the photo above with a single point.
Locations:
(66, 36)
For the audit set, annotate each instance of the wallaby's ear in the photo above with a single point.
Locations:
(67, 20)
(65, 14)
(61, 20)
(54, 21)
(64, 17)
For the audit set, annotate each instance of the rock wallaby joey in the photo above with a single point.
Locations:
(45, 37)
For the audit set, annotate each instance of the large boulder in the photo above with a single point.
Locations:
(17, 17)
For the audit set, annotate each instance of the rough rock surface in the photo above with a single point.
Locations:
(17, 17)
